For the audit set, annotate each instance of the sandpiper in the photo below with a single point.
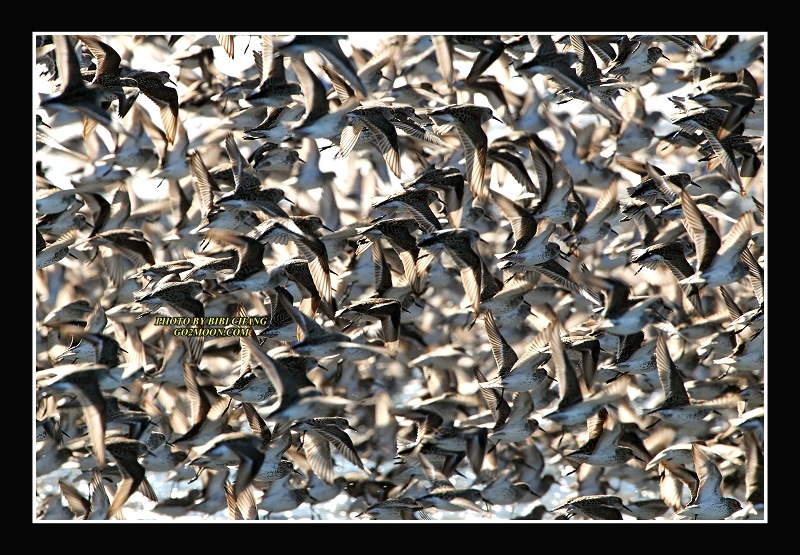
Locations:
(594, 507)
(415, 201)
(537, 249)
(597, 227)
(321, 343)
(126, 242)
(604, 88)
(443, 495)
(75, 94)
(504, 489)
(524, 224)
(505, 152)
(467, 120)
(622, 315)
(241, 449)
(296, 401)
(126, 453)
(208, 411)
(153, 84)
(677, 409)
(506, 299)
(248, 193)
(328, 46)
(210, 215)
(173, 299)
(518, 425)
(635, 57)
(734, 54)
(248, 388)
(91, 347)
(547, 58)
(271, 126)
(318, 121)
(282, 495)
(273, 90)
(515, 373)
(584, 82)
(309, 245)
(671, 254)
(250, 275)
(81, 380)
(50, 253)
(488, 47)
(460, 244)
(107, 73)
(319, 434)
(95, 507)
(603, 446)
(449, 181)
(377, 120)
(398, 232)
(401, 508)
(385, 311)
(738, 97)
(76, 312)
(273, 468)
(296, 269)
(652, 189)
(108, 215)
(574, 408)
(708, 503)
(173, 159)
(272, 157)
(308, 178)
(161, 457)
(557, 188)
(634, 356)
(211, 267)
(718, 262)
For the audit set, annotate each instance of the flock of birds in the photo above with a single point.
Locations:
(438, 278)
